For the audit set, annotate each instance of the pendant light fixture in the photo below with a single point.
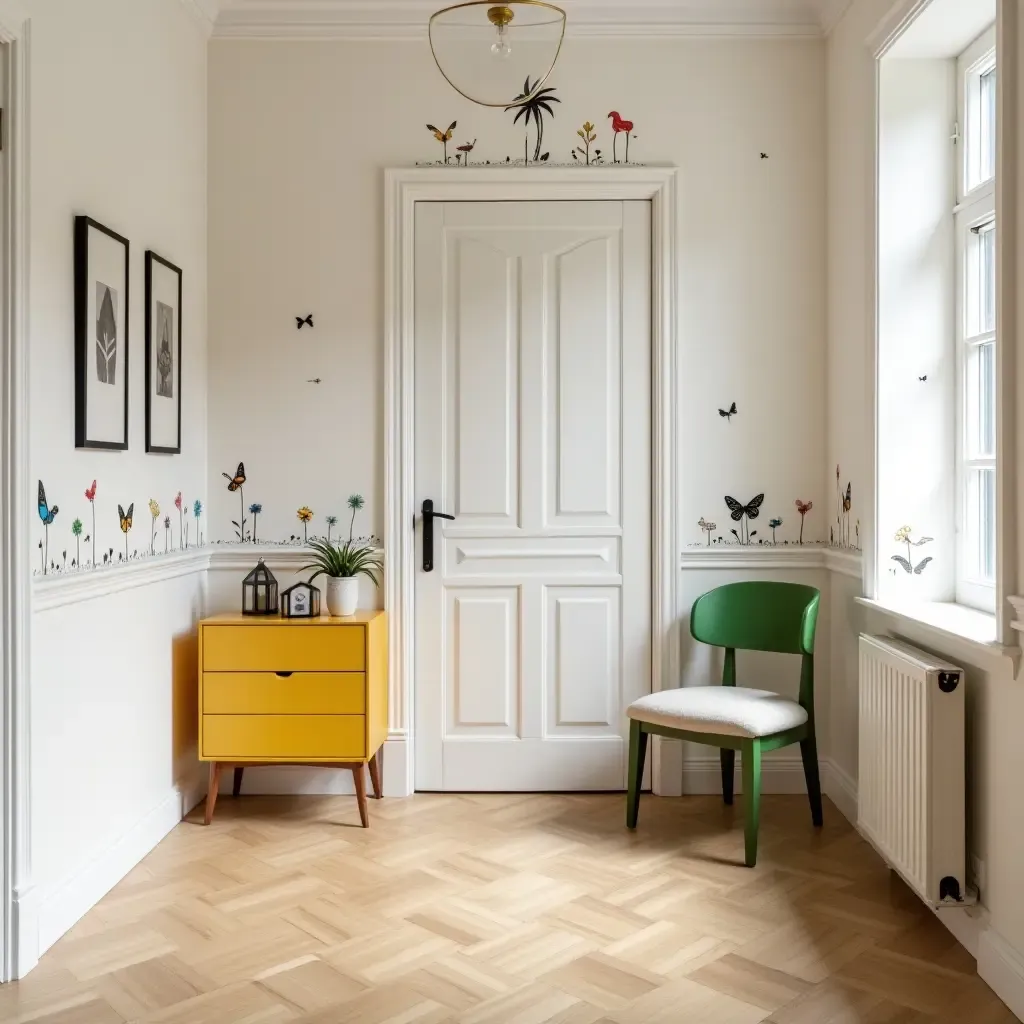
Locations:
(488, 50)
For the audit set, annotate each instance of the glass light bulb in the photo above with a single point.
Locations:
(501, 48)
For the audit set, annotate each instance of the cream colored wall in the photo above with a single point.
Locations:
(299, 135)
(118, 131)
(995, 698)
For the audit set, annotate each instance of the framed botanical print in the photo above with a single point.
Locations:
(163, 355)
(101, 336)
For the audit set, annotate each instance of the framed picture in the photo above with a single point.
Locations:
(101, 336)
(163, 355)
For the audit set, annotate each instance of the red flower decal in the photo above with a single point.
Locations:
(177, 501)
(90, 492)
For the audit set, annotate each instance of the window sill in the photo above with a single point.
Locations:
(972, 631)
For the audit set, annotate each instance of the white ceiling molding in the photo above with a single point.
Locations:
(407, 19)
(831, 13)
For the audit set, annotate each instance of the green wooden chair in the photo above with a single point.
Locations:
(752, 616)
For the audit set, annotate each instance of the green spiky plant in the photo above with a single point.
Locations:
(344, 560)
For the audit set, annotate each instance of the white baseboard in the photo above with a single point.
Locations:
(1001, 967)
(784, 774)
(841, 789)
(66, 903)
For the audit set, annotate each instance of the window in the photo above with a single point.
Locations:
(976, 328)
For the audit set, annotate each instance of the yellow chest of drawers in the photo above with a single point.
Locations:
(293, 691)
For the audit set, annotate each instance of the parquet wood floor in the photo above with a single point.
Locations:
(506, 910)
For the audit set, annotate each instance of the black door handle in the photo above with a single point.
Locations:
(429, 515)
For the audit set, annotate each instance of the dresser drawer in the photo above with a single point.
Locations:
(302, 693)
(284, 737)
(284, 648)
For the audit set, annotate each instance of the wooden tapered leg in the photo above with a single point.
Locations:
(236, 786)
(375, 765)
(359, 777)
(637, 755)
(211, 791)
(809, 753)
(728, 773)
(751, 755)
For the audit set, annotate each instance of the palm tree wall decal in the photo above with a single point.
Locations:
(535, 107)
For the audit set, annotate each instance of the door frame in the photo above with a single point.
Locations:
(403, 188)
(19, 946)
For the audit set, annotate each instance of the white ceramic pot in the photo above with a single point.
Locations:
(342, 595)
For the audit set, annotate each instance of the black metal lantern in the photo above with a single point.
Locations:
(259, 592)
(301, 601)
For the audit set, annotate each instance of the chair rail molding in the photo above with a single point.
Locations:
(403, 188)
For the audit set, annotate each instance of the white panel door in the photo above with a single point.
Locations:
(532, 347)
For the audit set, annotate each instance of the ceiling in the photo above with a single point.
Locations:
(388, 19)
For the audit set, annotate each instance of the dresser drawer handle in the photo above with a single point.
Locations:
(283, 675)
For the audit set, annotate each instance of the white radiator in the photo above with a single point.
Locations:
(911, 791)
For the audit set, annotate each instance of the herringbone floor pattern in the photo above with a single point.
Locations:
(506, 910)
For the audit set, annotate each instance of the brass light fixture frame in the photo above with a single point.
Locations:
(499, 15)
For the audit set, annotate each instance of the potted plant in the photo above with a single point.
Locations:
(343, 564)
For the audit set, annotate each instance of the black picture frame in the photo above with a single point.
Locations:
(153, 391)
(87, 433)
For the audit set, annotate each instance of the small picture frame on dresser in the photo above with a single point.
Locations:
(300, 601)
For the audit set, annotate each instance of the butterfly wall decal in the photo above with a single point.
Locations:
(126, 525)
(740, 513)
(728, 413)
(235, 484)
(236, 481)
(301, 321)
(923, 379)
(46, 514)
(444, 137)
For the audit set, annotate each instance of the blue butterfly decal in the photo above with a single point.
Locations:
(46, 513)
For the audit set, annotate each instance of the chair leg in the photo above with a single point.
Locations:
(751, 797)
(728, 773)
(637, 754)
(809, 753)
(236, 785)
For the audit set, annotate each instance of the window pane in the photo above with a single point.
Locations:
(980, 525)
(980, 402)
(987, 284)
(987, 133)
(980, 282)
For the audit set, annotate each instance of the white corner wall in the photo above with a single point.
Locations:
(118, 114)
(995, 934)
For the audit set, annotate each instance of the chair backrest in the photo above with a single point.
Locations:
(757, 616)
(760, 616)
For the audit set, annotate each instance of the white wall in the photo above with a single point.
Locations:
(995, 698)
(299, 136)
(916, 322)
(118, 115)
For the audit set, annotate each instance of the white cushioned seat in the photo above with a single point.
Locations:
(726, 710)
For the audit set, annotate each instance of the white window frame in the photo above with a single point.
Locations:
(974, 210)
